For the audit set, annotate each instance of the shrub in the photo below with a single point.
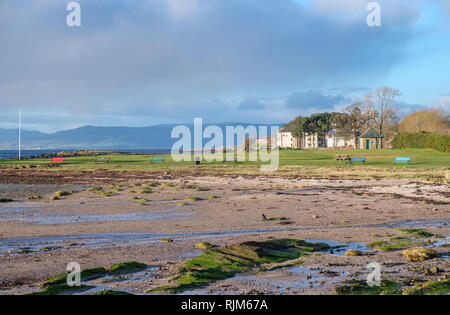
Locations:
(422, 140)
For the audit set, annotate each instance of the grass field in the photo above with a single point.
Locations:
(425, 164)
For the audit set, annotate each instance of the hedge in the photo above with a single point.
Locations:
(422, 140)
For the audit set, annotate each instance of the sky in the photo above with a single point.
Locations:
(148, 62)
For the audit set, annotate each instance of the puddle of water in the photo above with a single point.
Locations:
(55, 218)
(14, 245)
(280, 280)
(341, 248)
(425, 223)
(125, 282)
(44, 206)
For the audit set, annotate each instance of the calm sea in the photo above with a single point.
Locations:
(11, 154)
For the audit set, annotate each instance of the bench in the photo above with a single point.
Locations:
(358, 160)
(402, 160)
(58, 160)
(157, 159)
(102, 160)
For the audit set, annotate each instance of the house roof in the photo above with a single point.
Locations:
(371, 133)
(342, 133)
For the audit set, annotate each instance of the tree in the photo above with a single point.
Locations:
(432, 121)
(352, 120)
(299, 126)
(381, 111)
(316, 123)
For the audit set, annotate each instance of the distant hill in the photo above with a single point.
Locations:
(90, 137)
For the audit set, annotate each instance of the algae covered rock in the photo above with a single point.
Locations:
(127, 267)
(362, 288)
(429, 288)
(219, 263)
(352, 252)
(62, 193)
(61, 289)
(58, 285)
(203, 245)
(89, 274)
(417, 233)
(33, 197)
(419, 254)
(395, 243)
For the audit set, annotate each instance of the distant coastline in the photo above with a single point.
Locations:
(12, 154)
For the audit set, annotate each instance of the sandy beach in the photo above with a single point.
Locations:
(108, 218)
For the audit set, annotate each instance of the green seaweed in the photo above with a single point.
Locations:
(387, 287)
(61, 289)
(193, 198)
(33, 197)
(89, 274)
(6, 200)
(127, 267)
(61, 193)
(417, 233)
(395, 243)
(57, 285)
(429, 288)
(107, 193)
(224, 262)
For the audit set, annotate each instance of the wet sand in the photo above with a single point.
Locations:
(97, 230)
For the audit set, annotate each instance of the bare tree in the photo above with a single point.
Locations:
(352, 120)
(381, 109)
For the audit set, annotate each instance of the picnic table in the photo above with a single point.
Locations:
(343, 158)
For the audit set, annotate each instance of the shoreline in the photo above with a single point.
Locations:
(344, 211)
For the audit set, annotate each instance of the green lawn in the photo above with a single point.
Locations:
(378, 158)
(427, 164)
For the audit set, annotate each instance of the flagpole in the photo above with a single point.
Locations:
(20, 136)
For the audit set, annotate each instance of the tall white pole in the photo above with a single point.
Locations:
(20, 122)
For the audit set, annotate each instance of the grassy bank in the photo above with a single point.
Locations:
(427, 165)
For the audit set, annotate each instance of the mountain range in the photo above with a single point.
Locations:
(95, 137)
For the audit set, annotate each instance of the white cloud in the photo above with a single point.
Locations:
(443, 102)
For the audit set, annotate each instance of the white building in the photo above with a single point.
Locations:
(286, 140)
(341, 139)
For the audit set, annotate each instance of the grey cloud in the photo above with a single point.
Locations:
(315, 100)
(167, 60)
(251, 104)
